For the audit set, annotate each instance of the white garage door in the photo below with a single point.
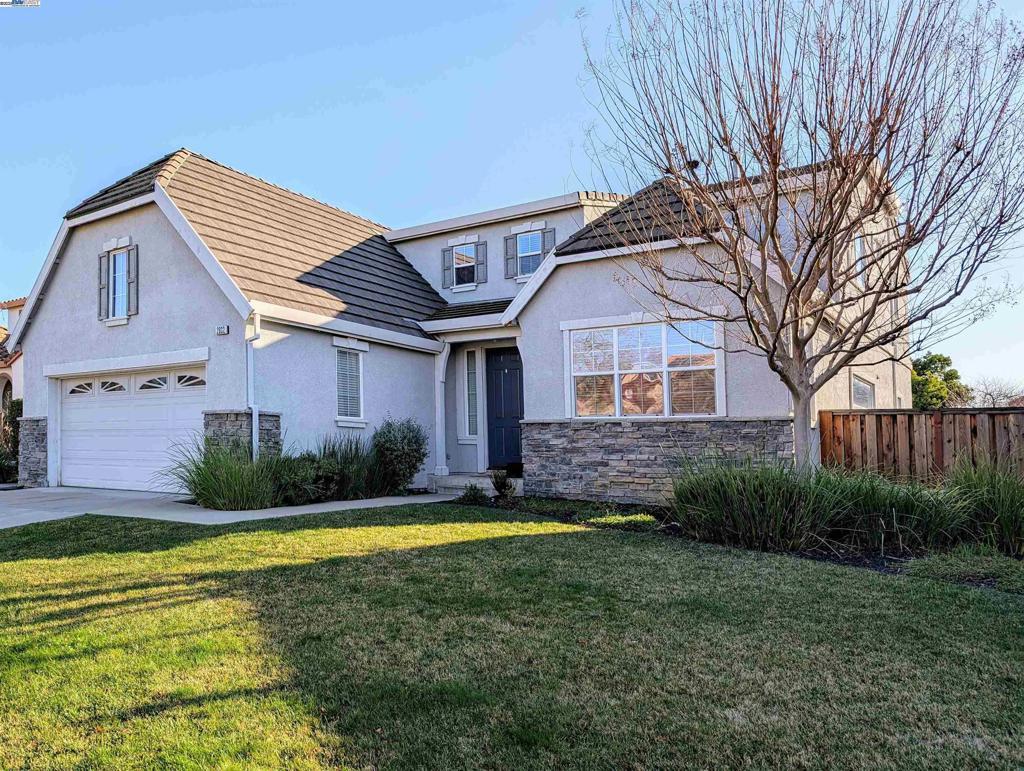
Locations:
(119, 430)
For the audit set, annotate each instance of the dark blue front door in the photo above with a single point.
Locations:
(504, 407)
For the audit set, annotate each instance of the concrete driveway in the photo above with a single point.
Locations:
(24, 507)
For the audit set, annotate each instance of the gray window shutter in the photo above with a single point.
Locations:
(511, 257)
(549, 242)
(448, 272)
(481, 262)
(104, 299)
(133, 281)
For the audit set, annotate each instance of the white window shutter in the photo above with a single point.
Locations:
(349, 387)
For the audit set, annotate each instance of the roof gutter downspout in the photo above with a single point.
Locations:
(250, 384)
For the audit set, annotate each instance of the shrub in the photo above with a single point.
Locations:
(226, 478)
(780, 508)
(345, 469)
(503, 486)
(400, 449)
(768, 508)
(10, 438)
(473, 495)
(993, 494)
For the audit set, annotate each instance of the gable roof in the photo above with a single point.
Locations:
(284, 248)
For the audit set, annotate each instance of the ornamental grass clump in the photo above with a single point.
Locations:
(993, 493)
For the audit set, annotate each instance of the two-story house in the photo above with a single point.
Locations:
(205, 302)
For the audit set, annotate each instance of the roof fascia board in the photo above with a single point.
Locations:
(110, 211)
(482, 218)
(331, 325)
(37, 288)
(477, 335)
(466, 322)
(202, 252)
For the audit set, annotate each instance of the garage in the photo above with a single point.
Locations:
(118, 430)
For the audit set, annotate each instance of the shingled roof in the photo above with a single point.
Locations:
(637, 220)
(464, 310)
(285, 248)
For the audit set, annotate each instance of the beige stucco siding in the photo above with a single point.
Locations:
(180, 307)
(296, 375)
(601, 289)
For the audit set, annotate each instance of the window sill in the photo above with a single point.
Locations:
(349, 423)
(464, 288)
(523, 279)
(120, 321)
(469, 440)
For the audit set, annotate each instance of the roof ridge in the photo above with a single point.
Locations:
(174, 162)
(274, 185)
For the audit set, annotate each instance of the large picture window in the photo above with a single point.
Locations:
(645, 370)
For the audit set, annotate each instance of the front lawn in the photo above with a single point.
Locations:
(450, 637)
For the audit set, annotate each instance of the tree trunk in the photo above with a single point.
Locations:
(805, 449)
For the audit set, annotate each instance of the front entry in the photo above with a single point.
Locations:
(504, 408)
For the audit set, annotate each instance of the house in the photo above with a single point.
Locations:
(11, 377)
(204, 302)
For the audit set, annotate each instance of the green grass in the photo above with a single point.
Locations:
(979, 565)
(455, 637)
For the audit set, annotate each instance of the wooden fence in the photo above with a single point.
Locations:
(922, 445)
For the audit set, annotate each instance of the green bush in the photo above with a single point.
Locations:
(341, 468)
(10, 438)
(226, 478)
(400, 449)
(767, 508)
(473, 495)
(503, 486)
(994, 496)
(781, 508)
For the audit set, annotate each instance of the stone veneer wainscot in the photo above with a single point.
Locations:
(633, 461)
(32, 457)
(234, 427)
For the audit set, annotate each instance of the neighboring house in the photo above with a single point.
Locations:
(11, 364)
(205, 302)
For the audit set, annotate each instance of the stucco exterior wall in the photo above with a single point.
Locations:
(296, 376)
(595, 289)
(425, 254)
(180, 308)
(891, 381)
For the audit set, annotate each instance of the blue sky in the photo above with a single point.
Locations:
(400, 112)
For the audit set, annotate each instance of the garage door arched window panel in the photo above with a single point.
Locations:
(189, 380)
(151, 384)
(83, 388)
(113, 386)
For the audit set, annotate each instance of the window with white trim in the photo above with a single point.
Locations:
(464, 260)
(118, 286)
(472, 400)
(645, 370)
(350, 402)
(529, 251)
(862, 394)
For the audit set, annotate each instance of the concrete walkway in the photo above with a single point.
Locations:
(24, 507)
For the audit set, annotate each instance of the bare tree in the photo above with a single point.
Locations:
(826, 178)
(996, 392)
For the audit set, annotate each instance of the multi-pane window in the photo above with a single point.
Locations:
(623, 371)
(464, 258)
(349, 386)
(118, 286)
(863, 394)
(529, 251)
(471, 394)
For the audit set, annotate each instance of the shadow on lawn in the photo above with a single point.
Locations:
(580, 648)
